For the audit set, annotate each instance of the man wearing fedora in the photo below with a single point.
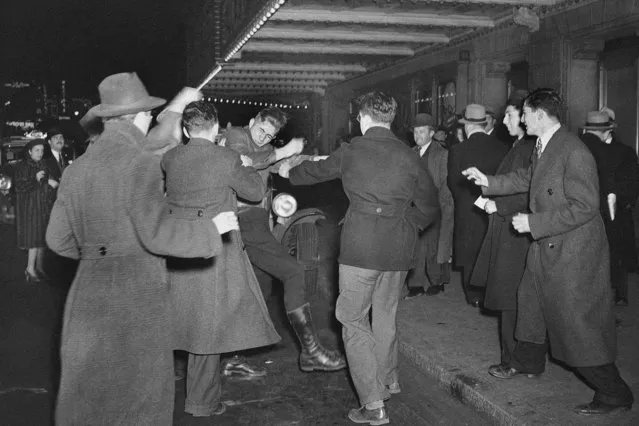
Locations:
(618, 190)
(484, 152)
(111, 215)
(435, 246)
(564, 295)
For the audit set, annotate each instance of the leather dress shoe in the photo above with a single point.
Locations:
(595, 408)
(621, 301)
(414, 292)
(240, 369)
(506, 372)
(433, 290)
(378, 416)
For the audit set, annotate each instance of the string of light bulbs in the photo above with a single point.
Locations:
(255, 103)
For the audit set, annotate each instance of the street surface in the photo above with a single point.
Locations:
(30, 316)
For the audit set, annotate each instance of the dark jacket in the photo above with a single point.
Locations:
(618, 174)
(565, 290)
(502, 257)
(391, 196)
(484, 152)
(218, 302)
(34, 201)
(435, 160)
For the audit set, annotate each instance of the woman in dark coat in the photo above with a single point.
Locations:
(35, 193)
(502, 257)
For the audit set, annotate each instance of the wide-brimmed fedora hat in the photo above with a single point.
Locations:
(474, 114)
(598, 120)
(422, 120)
(122, 94)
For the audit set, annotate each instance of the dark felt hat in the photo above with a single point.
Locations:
(122, 94)
(422, 120)
(35, 142)
(54, 130)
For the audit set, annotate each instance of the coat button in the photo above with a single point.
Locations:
(102, 250)
(551, 245)
(200, 213)
(170, 211)
(549, 191)
(378, 210)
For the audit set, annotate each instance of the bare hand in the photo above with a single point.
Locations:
(182, 99)
(284, 170)
(319, 157)
(520, 223)
(53, 184)
(490, 207)
(246, 161)
(473, 174)
(225, 222)
(295, 146)
(40, 175)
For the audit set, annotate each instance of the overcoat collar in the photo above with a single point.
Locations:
(379, 131)
(123, 131)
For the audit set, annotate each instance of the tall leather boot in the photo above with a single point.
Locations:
(314, 357)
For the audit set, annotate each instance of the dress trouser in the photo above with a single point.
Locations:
(428, 271)
(619, 280)
(507, 322)
(609, 387)
(267, 254)
(370, 338)
(203, 384)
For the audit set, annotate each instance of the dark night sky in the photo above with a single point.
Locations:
(84, 41)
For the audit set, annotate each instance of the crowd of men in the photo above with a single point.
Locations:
(168, 234)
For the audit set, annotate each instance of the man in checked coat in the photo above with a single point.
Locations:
(111, 215)
(435, 246)
(565, 290)
(391, 197)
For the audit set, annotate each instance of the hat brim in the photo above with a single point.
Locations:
(473, 121)
(146, 104)
(606, 127)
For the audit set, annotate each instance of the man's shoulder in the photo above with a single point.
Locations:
(237, 134)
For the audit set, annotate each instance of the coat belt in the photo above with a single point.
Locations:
(180, 212)
(378, 209)
(101, 251)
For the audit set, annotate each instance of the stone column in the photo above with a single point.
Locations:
(584, 80)
(495, 85)
(462, 84)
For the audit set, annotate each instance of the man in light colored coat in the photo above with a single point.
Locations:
(111, 215)
(565, 290)
(435, 246)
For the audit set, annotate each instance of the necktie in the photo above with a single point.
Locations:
(538, 147)
(60, 162)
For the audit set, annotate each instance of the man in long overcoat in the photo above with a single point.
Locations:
(484, 152)
(565, 290)
(502, 257)
(435, 246)
(218, 303)
(618, 187)
(391, 197)
(117, 340)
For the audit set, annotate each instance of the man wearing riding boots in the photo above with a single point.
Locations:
(391, 197)
(264, 252)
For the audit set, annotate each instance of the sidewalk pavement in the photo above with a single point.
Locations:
(456, 343)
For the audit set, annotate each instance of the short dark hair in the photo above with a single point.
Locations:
(517, 99)
(547, 100)
(199, 115)
(273, 115)
(378, 105)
